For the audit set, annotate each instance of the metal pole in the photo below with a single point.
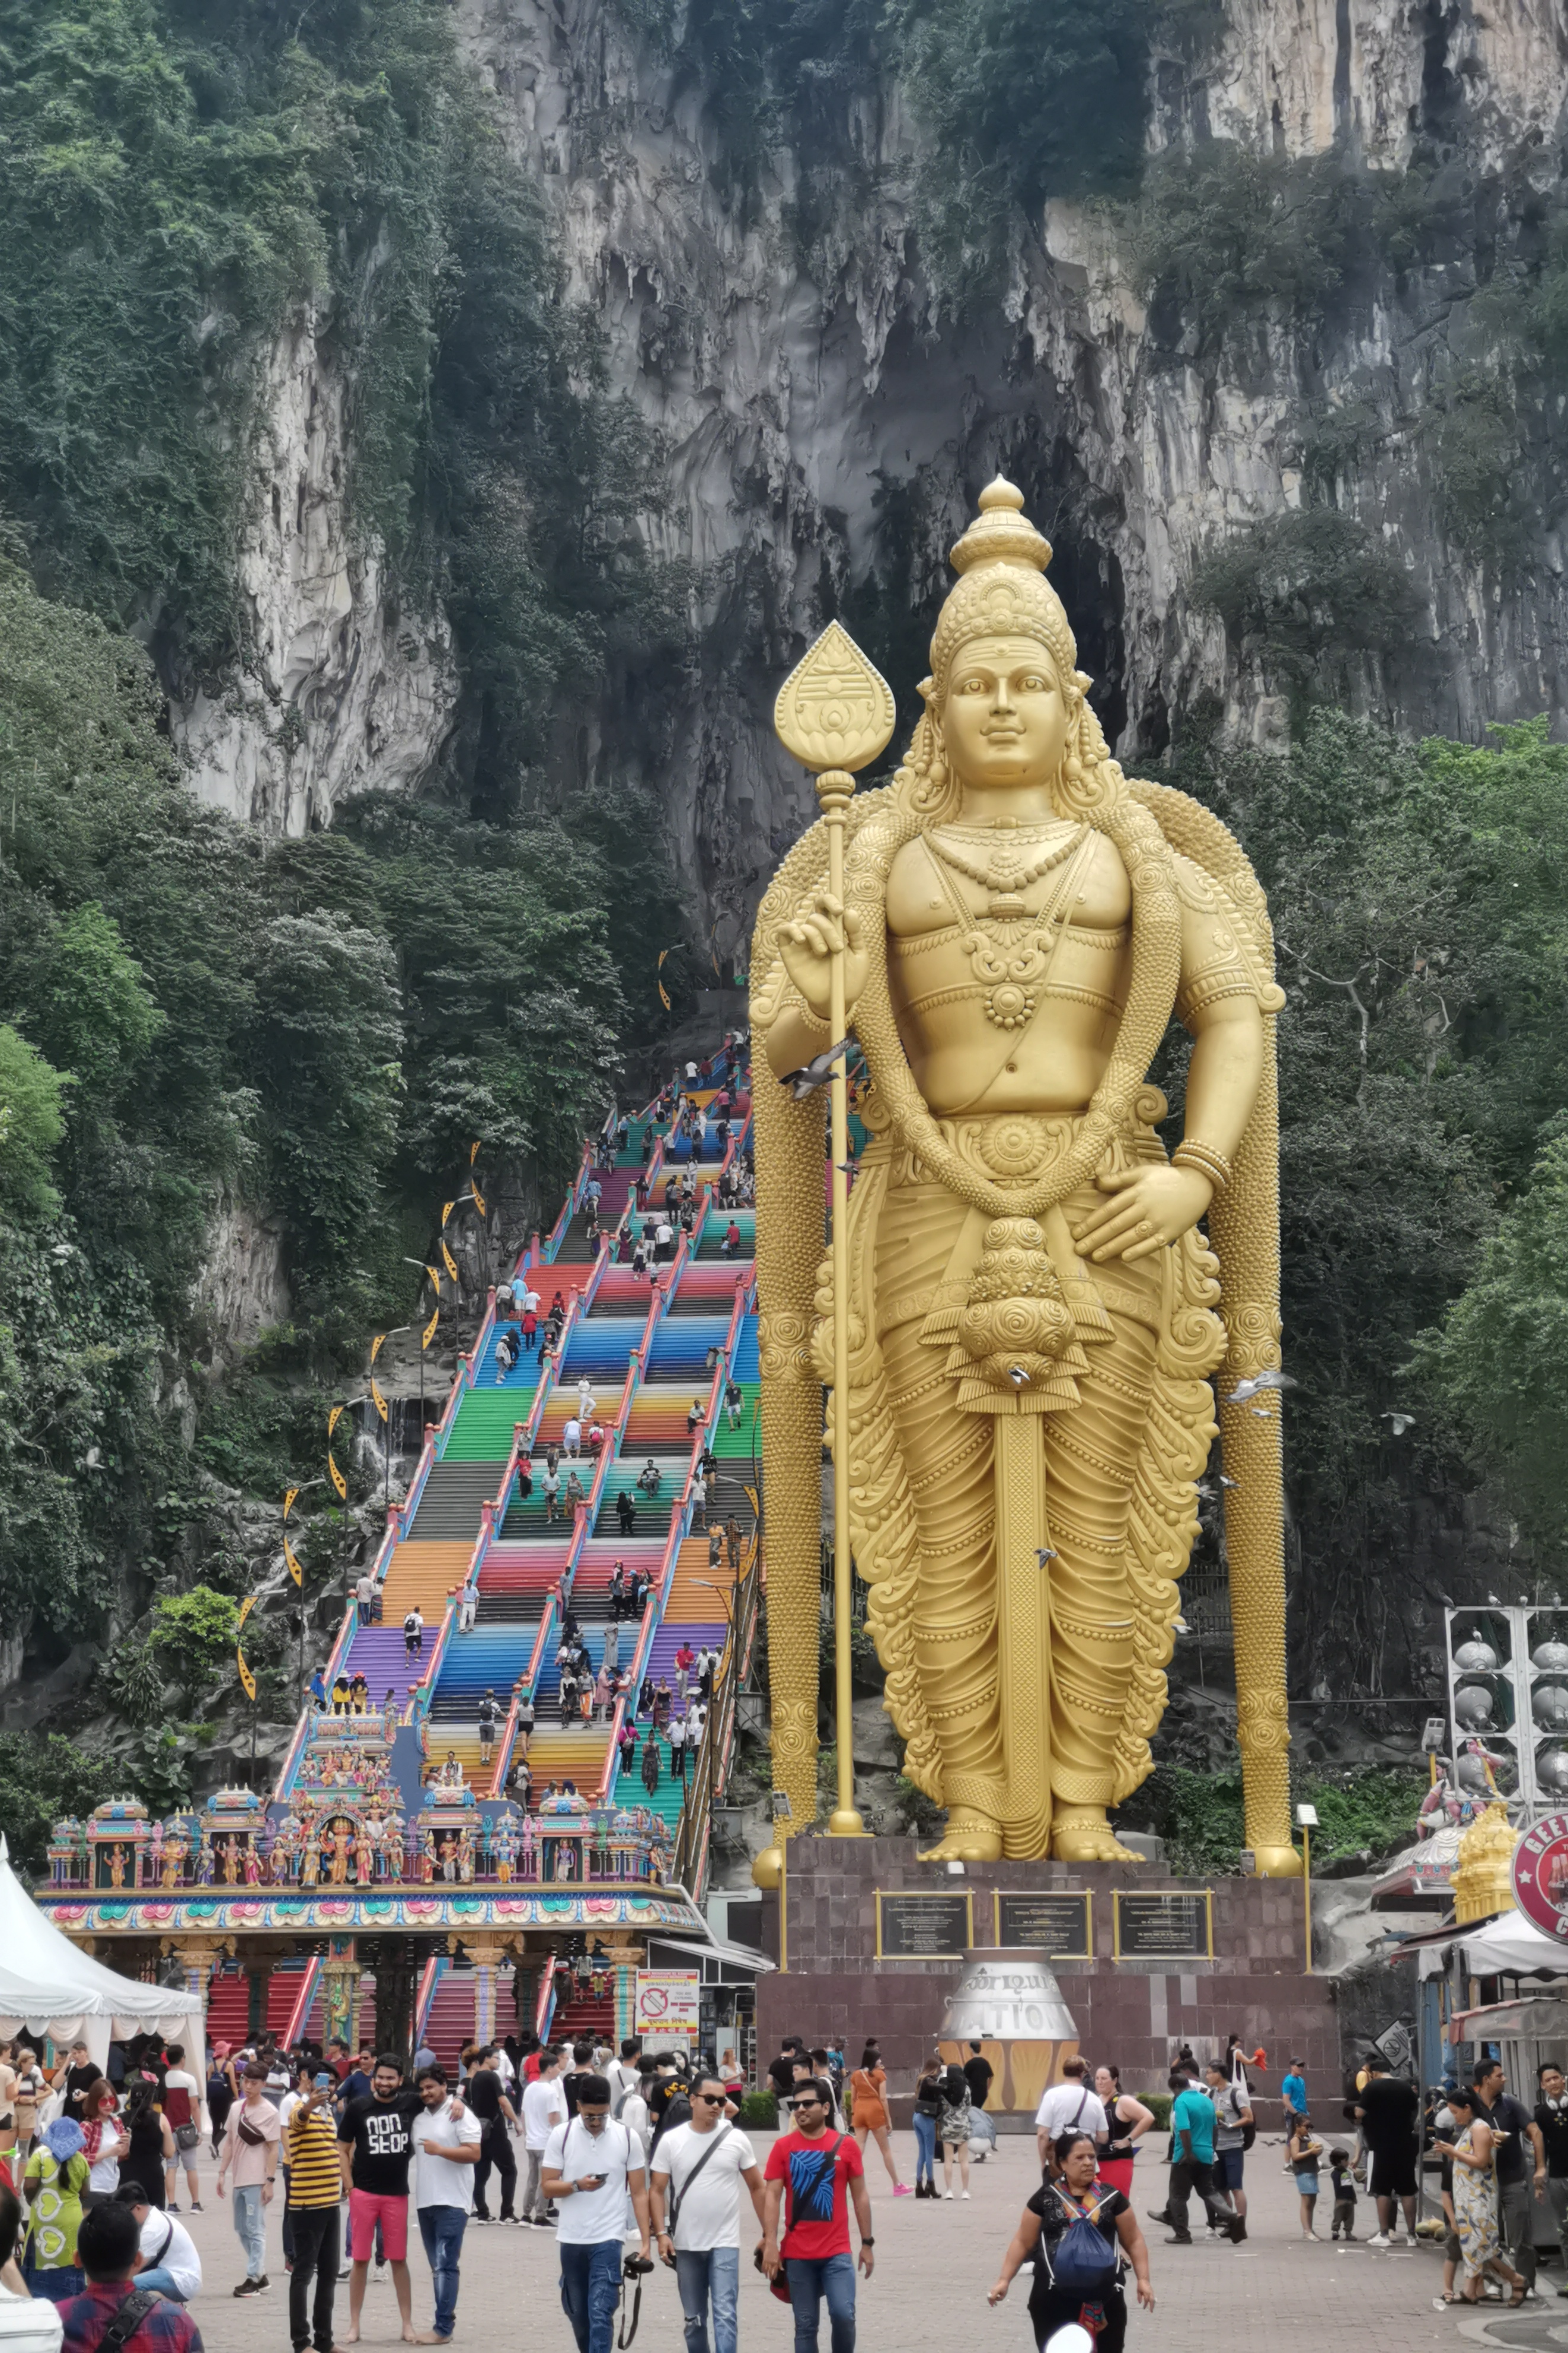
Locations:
(1307, 1887)
(835, 787)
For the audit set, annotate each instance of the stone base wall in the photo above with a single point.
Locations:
(1135, 2012)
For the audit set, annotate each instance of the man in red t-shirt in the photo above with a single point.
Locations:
(820, 2171)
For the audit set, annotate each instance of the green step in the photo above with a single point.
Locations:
(737, 1444)
(482, 1431)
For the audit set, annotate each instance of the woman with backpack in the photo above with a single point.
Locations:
(1081, 2236)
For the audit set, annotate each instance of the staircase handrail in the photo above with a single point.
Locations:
(693, 1830)
(430, 1977)
(310, 1980)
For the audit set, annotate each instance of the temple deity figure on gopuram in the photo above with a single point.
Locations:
(1033, 1315)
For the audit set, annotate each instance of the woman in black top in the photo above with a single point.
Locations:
(1072, 2195)
(152, 2144)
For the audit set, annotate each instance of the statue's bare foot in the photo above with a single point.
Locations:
(1083, 1834)
(971, 1838)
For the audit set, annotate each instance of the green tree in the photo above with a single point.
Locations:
(324, 1052)
(44, 1778)
(1498, 1356)
(32, 1122)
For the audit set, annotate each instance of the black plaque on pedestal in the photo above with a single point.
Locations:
(915, 1926)
(1176, 1924)
(1055, 1925)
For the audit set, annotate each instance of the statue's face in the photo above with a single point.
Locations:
(1005, 717)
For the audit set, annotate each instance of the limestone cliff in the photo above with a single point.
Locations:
(795, 379)
(339, 690)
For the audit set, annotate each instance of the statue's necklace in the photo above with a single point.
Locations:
(1011, 956)
(1005, 872)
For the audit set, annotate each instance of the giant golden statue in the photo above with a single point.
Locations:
(1032, 1311)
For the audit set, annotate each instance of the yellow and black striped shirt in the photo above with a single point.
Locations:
(315, 2178)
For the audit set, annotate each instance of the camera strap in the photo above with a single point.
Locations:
(629, 2330)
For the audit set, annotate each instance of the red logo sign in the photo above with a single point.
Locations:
(1540, 1875)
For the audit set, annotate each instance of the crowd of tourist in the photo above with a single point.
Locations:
(615, 2147)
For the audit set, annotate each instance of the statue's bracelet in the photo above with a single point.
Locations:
(1205, 1160)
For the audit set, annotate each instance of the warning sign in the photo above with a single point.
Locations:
(667, 2003)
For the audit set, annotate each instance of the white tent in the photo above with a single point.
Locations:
(1513, 1945)
(48, 1986)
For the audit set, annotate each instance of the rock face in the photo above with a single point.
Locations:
(341, 693)
(805, 384)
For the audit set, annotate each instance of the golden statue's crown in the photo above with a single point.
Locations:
(1003, 534)
(1000, 591)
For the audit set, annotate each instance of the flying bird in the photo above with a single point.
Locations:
(814, 1074)
(1398, 1423)
(1228, 1483)
(1045, 1555)
(1269, 1378)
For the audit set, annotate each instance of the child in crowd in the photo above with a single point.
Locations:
(1345, 2194)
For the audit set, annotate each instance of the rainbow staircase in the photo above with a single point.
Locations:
(656, 1352)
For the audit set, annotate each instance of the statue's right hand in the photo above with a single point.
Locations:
(823, 925)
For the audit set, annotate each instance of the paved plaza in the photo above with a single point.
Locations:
(934, 2265)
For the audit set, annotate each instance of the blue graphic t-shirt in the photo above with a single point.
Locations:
(815, 2175)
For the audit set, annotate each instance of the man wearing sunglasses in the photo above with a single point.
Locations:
(820, 2173)
(694, 2191)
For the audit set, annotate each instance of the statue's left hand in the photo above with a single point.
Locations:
(1148, 1207)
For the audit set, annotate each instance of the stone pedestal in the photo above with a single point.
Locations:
(1137, 2012)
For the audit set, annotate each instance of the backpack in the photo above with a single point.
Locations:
(1083, 2263)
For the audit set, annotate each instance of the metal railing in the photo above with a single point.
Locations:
(693, 1835)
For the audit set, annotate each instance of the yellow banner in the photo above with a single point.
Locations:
(451, 1262)
(339, 1482)
(334, 1419)
(664, 993)
(288, 1495)
(245, 1677)
(379, 1400)
(375, 1346)
(479, 1201)
(447, 1211)
(434, 1276)
(294, 1569)
(429, 1332)
(474, 1152)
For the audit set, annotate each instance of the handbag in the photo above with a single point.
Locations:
(187, 2135)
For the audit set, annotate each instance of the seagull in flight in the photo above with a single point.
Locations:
(1269, 1378)
(814, 1074)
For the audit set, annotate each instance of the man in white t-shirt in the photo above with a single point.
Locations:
(572, 1440)
(1071, 2106)
(447, 2148)
(591, 2166)
(168, 2260)
(543, 2107)
(694, 2193)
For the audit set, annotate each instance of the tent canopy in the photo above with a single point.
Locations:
(1513, 1945)
(48, 1986)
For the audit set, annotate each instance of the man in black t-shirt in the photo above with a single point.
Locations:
(579, 2072)
(1521, 2163)
(1552, 2123)
(1386, 2109)
(374, 2150)
(781, 2071)
(977, 2073)
(485, 2094)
